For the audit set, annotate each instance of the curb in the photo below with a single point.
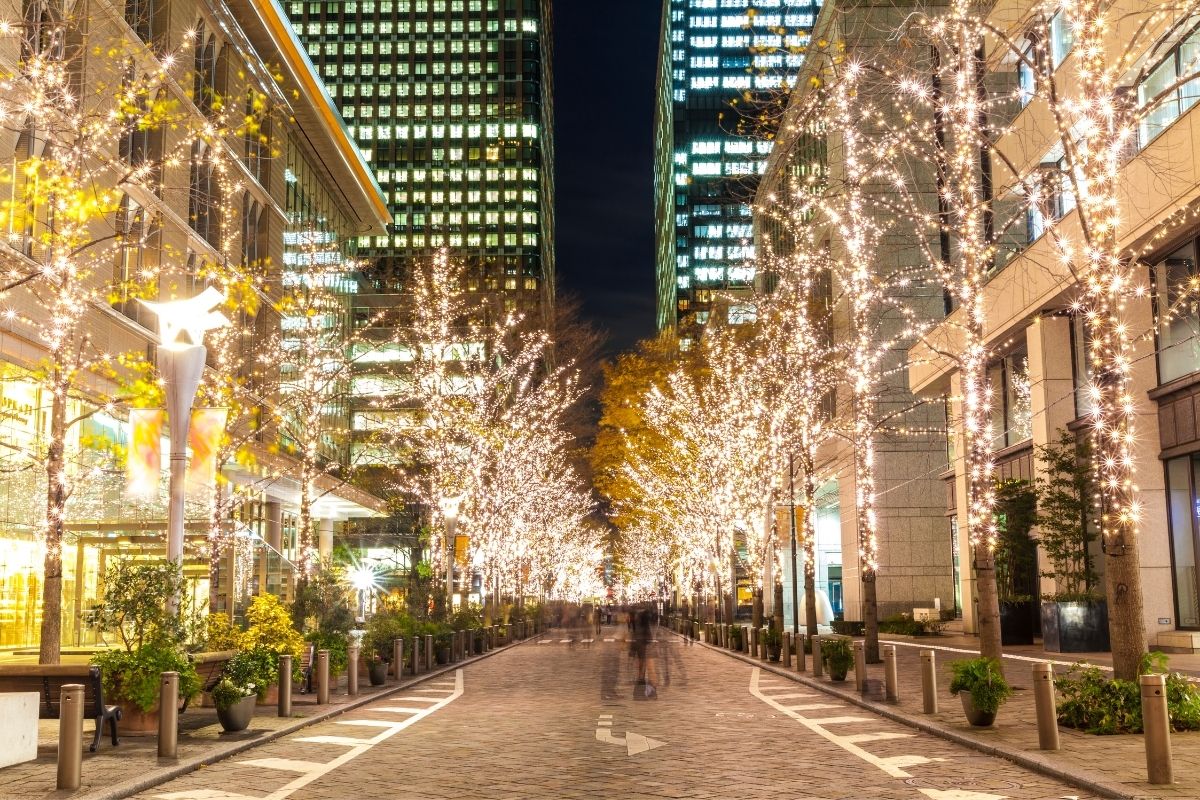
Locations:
(1034, 763)
(186, 766)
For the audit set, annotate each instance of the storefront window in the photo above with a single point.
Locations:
(1184, 509)
(1175, 309)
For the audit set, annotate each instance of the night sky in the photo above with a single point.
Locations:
(604, 73)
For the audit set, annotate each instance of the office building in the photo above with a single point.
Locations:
(721, 62)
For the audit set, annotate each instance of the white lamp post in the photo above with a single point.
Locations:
(181, 364)
(449, 506)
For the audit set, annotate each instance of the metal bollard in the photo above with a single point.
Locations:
(929, 681)
(891, 680)
(799, 640)
(70, 736)
(417, 654)
(285, 685)
(1157, 724)
(1043, 698)
(818, 661)
(398, 658)
(352, 670)
(860, 666)
(429, 652)
(322, 677)
(787, 649)
(168, 715)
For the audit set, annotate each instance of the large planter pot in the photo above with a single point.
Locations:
(838, 673)
(1018, 621)
(1075, 627)
(377, 673)
(443, 655)
(270, 697)
(238, 716)
(980, 719)
(774, 651)
(135, 722)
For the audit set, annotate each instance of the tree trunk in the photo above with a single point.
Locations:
(50, 645)
(989, 603)
(1123, 586)
(778, 611)
(215, 549)
(756, 609)
(870, 617)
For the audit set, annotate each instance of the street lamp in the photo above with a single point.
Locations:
(449, 506)
(181, 364)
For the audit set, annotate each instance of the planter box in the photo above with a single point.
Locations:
(1075, 627)
(19, 734)
(1018, 622)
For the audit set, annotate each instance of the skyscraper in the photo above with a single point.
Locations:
(715, 52)
(451, 103)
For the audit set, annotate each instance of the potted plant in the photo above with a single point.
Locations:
(735, 637)
(773, 639)
(383, 629)
(1016, 560)
(1075, 617)
(151, 638)
(245, 681)
(269, 627)
(980, 685)
(838, 656)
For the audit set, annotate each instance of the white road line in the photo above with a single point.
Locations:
(284, 764)
(857, 738)
(610, 639)
(348, 741)
(892, 765)
(358, 747)
(816, 727)
(793, 695)
(812, 707)
(947, 649)
(368, 723)
(417, 699)
(399, 710)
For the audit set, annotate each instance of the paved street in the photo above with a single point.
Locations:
(558, 719)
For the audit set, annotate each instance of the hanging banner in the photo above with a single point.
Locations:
(204, 439)
(144, 464)
(460, 549)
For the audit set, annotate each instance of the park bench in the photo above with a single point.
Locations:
(47, 681)
(210, 667)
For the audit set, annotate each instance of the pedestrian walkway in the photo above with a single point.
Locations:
(115, 772)
(1114, 766)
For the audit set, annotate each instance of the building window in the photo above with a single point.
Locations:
(1162, 96)
(1182, 474)
(1175, 281)
(1012, 411)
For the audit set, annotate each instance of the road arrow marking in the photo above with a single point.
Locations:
(633, 743)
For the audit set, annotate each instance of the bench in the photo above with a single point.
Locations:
(48, 680)
(210, 667)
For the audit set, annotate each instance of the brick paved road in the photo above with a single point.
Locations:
(553, 720)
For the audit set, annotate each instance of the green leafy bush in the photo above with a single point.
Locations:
(228, 693)
(256, 669)
(837, 655)
(903, 625)
(382, 631)
(337, 646)
(134, 675)
(221, 634)
(850, 628)
(1090, 701)
(983, 679)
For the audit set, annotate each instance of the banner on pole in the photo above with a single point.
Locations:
(144, 463)
(204, 438)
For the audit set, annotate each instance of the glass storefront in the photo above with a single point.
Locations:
(1183, 477)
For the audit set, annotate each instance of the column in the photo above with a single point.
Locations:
(325, 538)
(274, 524)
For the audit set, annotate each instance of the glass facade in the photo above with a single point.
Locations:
(721, 54)
(450, 102)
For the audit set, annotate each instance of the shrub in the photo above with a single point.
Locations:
(254, 670)
(984, 680)
(852, 628)
(270, 626)
(382, 631)
(221, 634)
(903, 625)
(135, 675)
(1092, 702)
(337, 646)
(227, 693)
(837, 654)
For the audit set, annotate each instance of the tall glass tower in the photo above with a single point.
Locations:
(713, 53)
(450, 102)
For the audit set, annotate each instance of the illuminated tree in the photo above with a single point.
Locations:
(98, 143)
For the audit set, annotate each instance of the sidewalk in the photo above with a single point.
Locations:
(134, 765)
(1114, 766)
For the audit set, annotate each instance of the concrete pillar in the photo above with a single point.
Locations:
(275, 524)
(325, 538)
